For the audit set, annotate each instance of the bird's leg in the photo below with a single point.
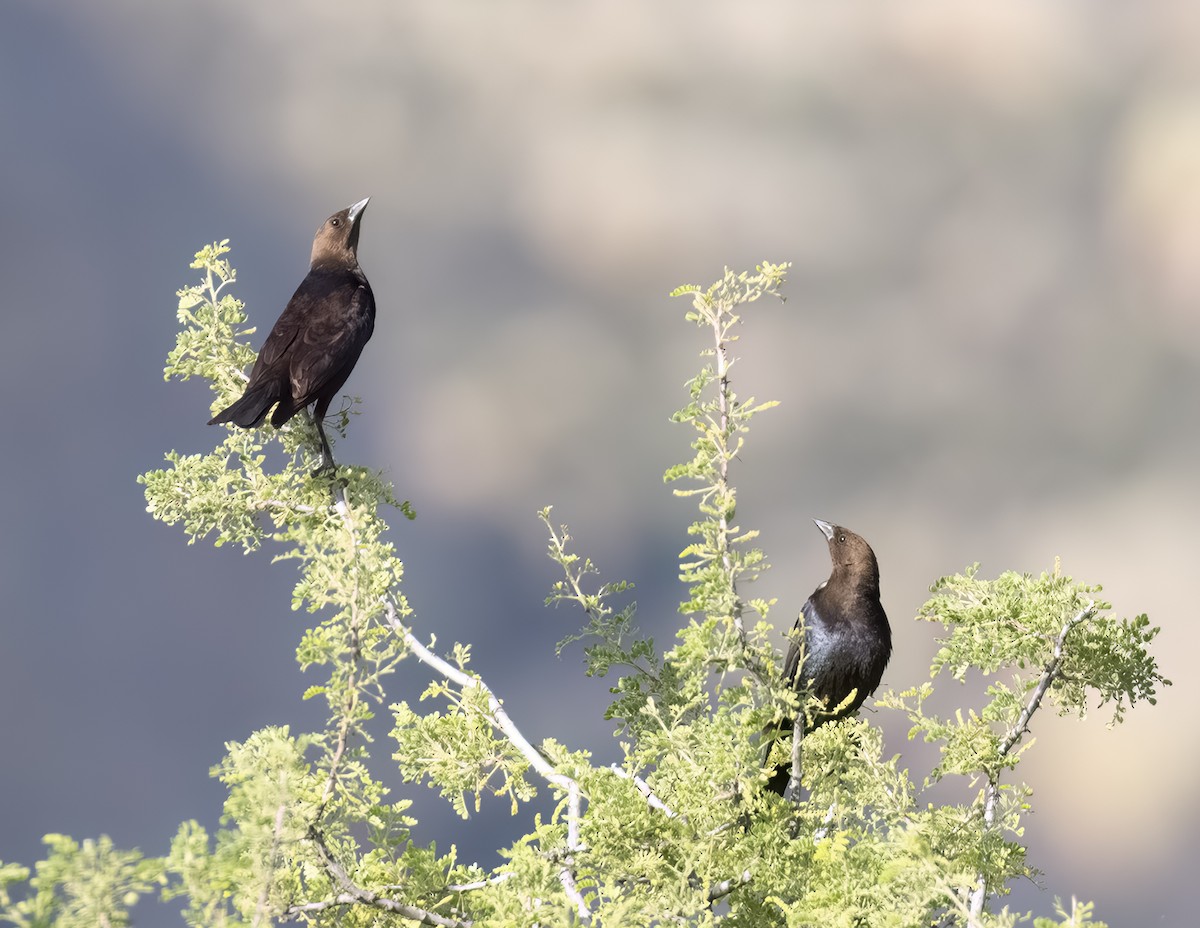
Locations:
(327, 461)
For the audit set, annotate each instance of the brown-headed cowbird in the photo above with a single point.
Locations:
(847, 639)
(316, 342)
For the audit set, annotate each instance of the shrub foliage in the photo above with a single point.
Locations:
(682, 831)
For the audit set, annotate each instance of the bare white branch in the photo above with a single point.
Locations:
(498, 717)
(725, 887)
(279, 505)
(644, 788)
(820, 833)
(480, 884)
(566, 875)
(505, 725)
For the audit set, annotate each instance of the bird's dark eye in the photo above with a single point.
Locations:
(841, 539)
(335, 222)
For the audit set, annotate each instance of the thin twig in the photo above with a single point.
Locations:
(353, 894)
(644, 788)
(577, 595)
(280, 506)
(725, 887)
(991, 790)
(820, 833)
(792, 792)
(480, 884)
(723, 365)
(1049, 675)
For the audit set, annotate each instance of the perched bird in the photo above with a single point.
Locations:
(316, 342)
(847, 640)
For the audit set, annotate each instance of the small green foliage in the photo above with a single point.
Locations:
(1079, 916)
(714, 563)
(616, 642)
(1038, 639)
(1048, 632)
(273, 795)
(78, 885)
(212, 328)
(459, 751)
(1018, 619)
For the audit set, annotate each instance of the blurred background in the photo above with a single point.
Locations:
(990, 352)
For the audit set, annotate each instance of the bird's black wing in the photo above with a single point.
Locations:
(791, 662)
(336, 330)
(283, 335)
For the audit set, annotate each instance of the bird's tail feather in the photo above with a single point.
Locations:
(250, 410)
(780, 777)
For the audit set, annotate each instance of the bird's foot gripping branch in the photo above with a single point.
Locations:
(683, 830)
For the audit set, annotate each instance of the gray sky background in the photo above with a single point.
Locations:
(990, 352)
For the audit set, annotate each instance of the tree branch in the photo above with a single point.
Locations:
(1049, 675)
(498, 717)
(644, 788)
(725, 887)
(597, 614)
(723, 403)
(991, 791)
(480, 884)
(342, 506)
(566, 875)
(353, 894)
(792, 791)
(501, 721)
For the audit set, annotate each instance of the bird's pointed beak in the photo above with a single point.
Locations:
(357, 208)
(825, 528)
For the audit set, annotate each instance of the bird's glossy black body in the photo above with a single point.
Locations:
(846, 637)
(317, 340)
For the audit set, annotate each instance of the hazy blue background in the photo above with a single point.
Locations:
(990, 351)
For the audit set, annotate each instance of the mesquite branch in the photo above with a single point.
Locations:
(501, 721)
(353, 894)
(724, 453)
(991, 790)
